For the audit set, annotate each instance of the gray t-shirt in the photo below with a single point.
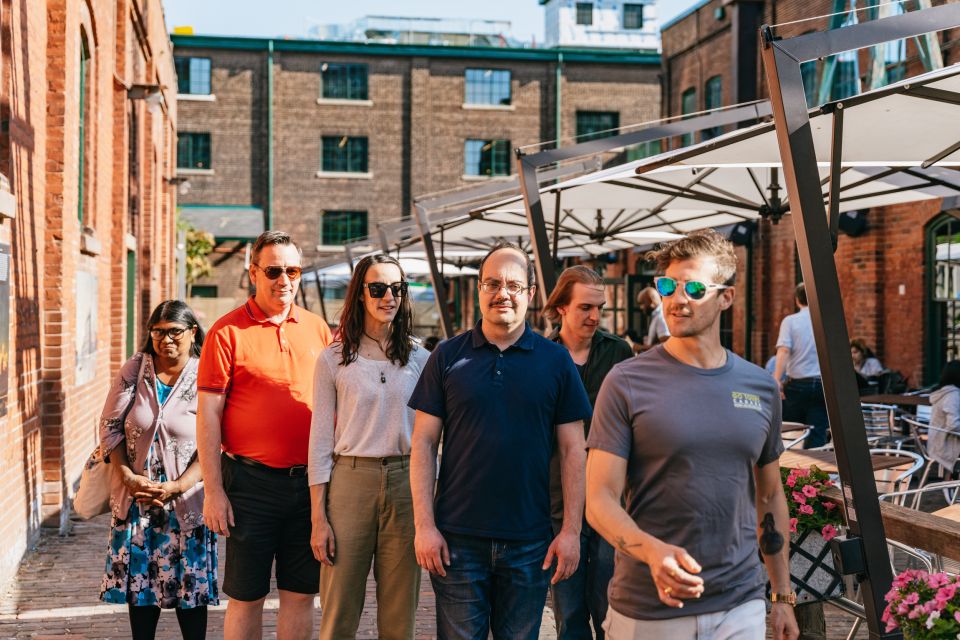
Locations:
(692, 439)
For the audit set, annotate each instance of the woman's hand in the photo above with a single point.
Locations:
(168, 491)
(143, 489)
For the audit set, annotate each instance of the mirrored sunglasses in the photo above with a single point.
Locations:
(694, 289)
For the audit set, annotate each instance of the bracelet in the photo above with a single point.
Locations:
(786, 598)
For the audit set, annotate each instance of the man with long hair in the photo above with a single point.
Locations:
(500, 396)
(253, 426)
(691, 432)
(576, 304)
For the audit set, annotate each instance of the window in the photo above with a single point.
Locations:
(585, 13)
(193, 75)
(193, 151)
(688, 104)
(344, 154)
(83, 124)
(943, 321)
(486, 158)
(341, 227)
(487, 86)
(632, 16)
(808, 71)
(846, 80)
(596, 124)
(643, 150)
(203, 291)
(713, 99)
(343, 81)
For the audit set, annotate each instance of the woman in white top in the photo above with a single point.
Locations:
(359, 456)
(864, 362)
(944, 441)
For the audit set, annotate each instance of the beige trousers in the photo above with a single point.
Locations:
(371, 512)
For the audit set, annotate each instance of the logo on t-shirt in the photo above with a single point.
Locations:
(746, 401)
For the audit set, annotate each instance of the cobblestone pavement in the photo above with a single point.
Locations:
(55, 596)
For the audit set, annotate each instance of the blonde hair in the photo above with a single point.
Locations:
(706, 243)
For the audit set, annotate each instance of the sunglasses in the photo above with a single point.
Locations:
(275, 272)
(379, 289)
(693, 289)
(173, 332)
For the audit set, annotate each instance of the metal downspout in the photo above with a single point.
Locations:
(269, 220)
(559, 98)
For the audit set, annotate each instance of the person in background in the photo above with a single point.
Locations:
(359, 459)
(864, 362)
(944, 441)
(657, 332)
(161, 555)
(576, 303)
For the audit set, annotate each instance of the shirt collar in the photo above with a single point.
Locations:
(257, 315)
(525, 341)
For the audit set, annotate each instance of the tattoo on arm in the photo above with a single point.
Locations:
(771, 542)
(623, 545)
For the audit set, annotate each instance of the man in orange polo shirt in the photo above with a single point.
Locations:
(255, 383)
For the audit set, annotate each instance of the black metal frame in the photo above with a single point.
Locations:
(527, 166)
(782, 60)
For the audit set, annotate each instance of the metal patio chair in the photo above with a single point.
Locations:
(794, 434)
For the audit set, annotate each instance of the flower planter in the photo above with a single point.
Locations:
(811, 568)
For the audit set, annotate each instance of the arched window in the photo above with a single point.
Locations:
(943, 277)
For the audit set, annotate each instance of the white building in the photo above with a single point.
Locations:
(601, 23)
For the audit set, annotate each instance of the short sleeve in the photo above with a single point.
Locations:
(612, 429)
(428, 395)
(572, 403)
(773, 446)
(216, 362)
(784, 339)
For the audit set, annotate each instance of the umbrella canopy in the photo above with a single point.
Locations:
(412, 267)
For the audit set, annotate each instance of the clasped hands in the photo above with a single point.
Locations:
(148, 492)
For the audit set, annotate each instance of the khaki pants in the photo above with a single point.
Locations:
(744, 622)
(371, 512)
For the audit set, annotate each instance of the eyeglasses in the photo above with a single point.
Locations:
(694, 289)
(274, 272)
(379, 289)
(494, 286)
(175, 333)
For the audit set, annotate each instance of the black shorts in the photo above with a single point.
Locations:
(272, 516)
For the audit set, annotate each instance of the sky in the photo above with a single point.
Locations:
(275, 18)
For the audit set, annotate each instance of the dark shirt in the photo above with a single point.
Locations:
(499, 412)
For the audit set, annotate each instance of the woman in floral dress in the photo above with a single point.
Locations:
(160, 556)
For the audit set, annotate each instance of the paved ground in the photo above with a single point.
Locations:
(55, 596)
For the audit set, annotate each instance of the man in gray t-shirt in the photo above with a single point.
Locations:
(689, 434)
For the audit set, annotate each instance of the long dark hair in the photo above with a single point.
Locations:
(174, 311)
(352, 317)
(950, 374)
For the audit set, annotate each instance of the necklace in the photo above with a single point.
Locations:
(383, 378)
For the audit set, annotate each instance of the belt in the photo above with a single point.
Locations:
(368, 462)
(810, 379)
(296, 471)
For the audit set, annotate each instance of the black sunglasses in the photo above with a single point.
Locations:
(379, 289)
(275, 272)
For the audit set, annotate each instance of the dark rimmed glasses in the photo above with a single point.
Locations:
(379, 289)
(273, 272)
(494, 286)
(174, 333)
(694, 289)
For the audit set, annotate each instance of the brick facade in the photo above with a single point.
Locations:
(68, 277)
(883, 275)
(415, 120)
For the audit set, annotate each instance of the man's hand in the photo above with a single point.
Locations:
(672, 569)
(783, 622)
(431, 549)
(217, 512)
(566, 548)
(322, 541)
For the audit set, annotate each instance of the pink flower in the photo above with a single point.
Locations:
(829, 532)
(806, 509)
(916, 612)
(799, 498)
(956, 615)
(829, 506)
(809, 491)
(793, 525)
(791, 480)
(803, 473)
(912, 598)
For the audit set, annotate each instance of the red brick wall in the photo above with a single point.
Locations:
(51, 420)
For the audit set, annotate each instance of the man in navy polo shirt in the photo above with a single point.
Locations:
(500, 395)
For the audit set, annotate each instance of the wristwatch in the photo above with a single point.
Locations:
(788, 598)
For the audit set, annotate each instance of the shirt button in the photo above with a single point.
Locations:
(500, 355)
(498, 373)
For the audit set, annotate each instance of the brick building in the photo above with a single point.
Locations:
(324, 139)
(893, 296)
(86, 233)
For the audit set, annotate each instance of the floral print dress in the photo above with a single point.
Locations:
(151, 560)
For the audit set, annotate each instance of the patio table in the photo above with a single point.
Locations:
(897, 399)
(827, 460)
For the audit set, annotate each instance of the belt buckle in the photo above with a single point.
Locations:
(297, 471)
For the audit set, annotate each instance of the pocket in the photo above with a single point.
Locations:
(226, 472)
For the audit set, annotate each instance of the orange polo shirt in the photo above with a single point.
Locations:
(266, 371)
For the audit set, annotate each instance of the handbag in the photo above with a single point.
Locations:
(93, 493)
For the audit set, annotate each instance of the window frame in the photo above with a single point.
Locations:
(580, 9)
(326, 234)
(633, 6)
(596, 134)
(470, 98)
(497, 146)
(194, 137)
(189, 82)
(691, 94)
(712, 92)
(344, 165)
(346, 68)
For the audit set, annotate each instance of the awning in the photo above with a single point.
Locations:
(225, 222)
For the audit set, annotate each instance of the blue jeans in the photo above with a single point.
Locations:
(583, 596)
(803, 402)
(491, 585)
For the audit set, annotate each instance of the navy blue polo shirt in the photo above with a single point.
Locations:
(499, 412)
